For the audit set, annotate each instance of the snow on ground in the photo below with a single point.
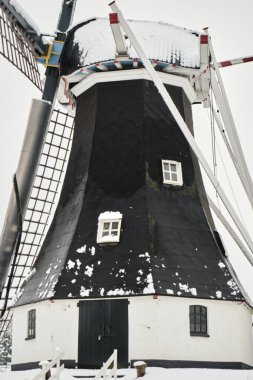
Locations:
(152, 373)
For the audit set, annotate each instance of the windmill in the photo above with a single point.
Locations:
(132, 241)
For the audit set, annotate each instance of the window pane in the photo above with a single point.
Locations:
(203, 328)
(105, 233)
(166, 166)
(192, 327)
(115, 225)
(106, 226)
(167, 176)
(173, 168)
(197, 327)
(174, 177)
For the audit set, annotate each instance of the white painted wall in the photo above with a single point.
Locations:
(158, 329)
(56, 327)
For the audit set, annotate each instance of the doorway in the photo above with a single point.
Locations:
(103, 327)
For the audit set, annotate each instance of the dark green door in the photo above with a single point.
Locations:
(103, 327)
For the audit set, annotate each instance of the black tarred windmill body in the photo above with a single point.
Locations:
(132, 258)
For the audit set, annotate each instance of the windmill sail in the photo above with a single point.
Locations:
(17, 45)
(40, 206)
(38, 181)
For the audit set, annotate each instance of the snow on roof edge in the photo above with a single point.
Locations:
(72, 26)
(19, 9)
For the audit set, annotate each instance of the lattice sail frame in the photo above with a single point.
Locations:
(17, 47)
(41, 206)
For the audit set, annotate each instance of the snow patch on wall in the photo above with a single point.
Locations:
(186, 289)
(145, 255)
(85, 292)
(231, 283)
(119, 292)
(70, 265)
(150, 289)
(89, 270)
(81, 249)
(221, 264)
(78, 263)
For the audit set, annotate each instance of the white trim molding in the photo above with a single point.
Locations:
(115, 76)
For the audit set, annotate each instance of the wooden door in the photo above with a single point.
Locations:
(103, 327)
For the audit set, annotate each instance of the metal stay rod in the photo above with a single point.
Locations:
(245, 178)
(230, 230)
(222, 101)
(223, 135)
(182, 125)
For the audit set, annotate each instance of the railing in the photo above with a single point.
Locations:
(107, 373)
(47, 366)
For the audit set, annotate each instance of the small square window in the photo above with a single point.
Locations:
(172, 172)
(31, 328)
(109, 224)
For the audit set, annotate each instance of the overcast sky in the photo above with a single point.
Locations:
(231, 28)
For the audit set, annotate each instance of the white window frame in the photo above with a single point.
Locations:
(109, 217)
(179, 181)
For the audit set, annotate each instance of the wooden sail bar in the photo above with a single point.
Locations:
(222, 102)
(235, 61)
(181, 123)
(231, 231)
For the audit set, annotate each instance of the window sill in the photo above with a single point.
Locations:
(30, 337)
(200, 334)
(108, 241)
(180, 184)
(108, 244)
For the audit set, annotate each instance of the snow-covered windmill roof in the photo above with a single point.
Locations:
(160, 41)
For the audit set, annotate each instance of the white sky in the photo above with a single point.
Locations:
(231, 28)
